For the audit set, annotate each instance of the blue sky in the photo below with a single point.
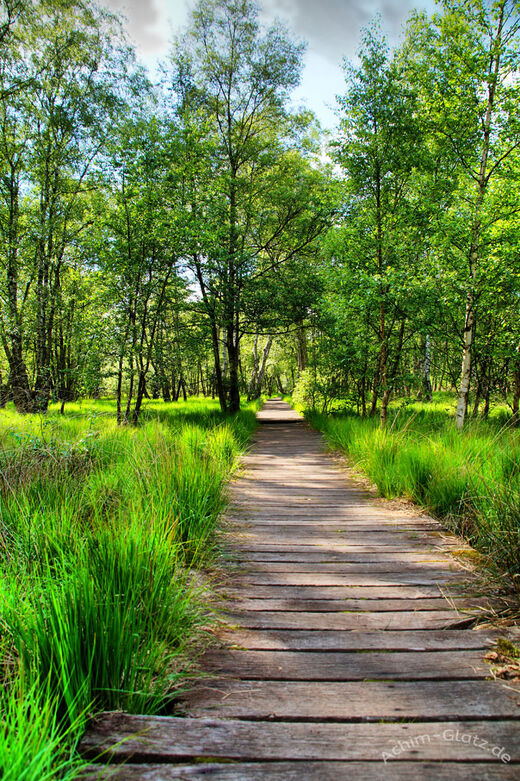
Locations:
(332, 29)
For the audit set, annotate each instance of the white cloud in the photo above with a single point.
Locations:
(331, 27)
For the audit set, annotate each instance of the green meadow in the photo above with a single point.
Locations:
(107, 535)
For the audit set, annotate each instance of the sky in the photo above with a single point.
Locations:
(332, 29)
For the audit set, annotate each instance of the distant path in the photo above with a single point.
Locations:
(341, 650)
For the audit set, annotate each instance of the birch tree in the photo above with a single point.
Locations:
(267, 205)
(378, 149)
(466, 59)
(60, 86)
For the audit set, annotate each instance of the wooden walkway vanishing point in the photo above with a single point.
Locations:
(342, 658)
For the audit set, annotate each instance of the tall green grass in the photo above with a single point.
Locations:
(469, 479)
(102, 533)
(34, 745)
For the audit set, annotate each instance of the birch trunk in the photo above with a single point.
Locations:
(263, 365)
(254, 374)
(427, 383)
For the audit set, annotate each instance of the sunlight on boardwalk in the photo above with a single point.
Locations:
(341, 657)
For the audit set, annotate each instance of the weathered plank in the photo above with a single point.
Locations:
(436, 568)
(418, 578)
(354, 701)
(300, 604)
(323, 557)
(268, 535)
(329, 530)
(334, 666)
(413, 641)
(335, 522)
(335, 516)
(274, 591)
(239, 543)
(427, 619)
(150, 737)
(312, 771)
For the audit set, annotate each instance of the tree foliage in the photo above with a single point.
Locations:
(197, 235)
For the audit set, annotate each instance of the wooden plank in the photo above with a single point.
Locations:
(301, 604)
(334, 666)
(327, 540)
(241, 545)
(355, 701)
(355, 579)
(147, 738)
(359, 509)
(428, 619)
(274, 498)
(311, 771)
(343, 592)
(437, 568)
(247, 491)
(334, 518)
(334, 527)
(302, 640)
(317, 556)
(375, 535)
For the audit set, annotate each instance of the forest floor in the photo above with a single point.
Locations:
(350, 645)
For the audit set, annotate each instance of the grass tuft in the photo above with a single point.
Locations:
(102, 532)
(469, 480)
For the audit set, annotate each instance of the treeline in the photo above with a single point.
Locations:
(186, 237)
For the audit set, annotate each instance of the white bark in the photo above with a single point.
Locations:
(427, 367)
(465, 380)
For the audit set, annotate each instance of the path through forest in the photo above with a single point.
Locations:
(342, 656)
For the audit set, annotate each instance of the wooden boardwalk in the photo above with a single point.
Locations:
(342, 658)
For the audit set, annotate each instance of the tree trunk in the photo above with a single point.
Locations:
(263, 365)
(465, 381)
(119, 390)
(392, 375)
(383, 360)
(375, 389)
(254, 373)
(166, 391)
(141, 390)
(427, 383)
(12, 338)
(487, 394)
(130, 393)
(182, 386)
(219, 375)
(233, 355)
(257, 379)
(225, 367)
